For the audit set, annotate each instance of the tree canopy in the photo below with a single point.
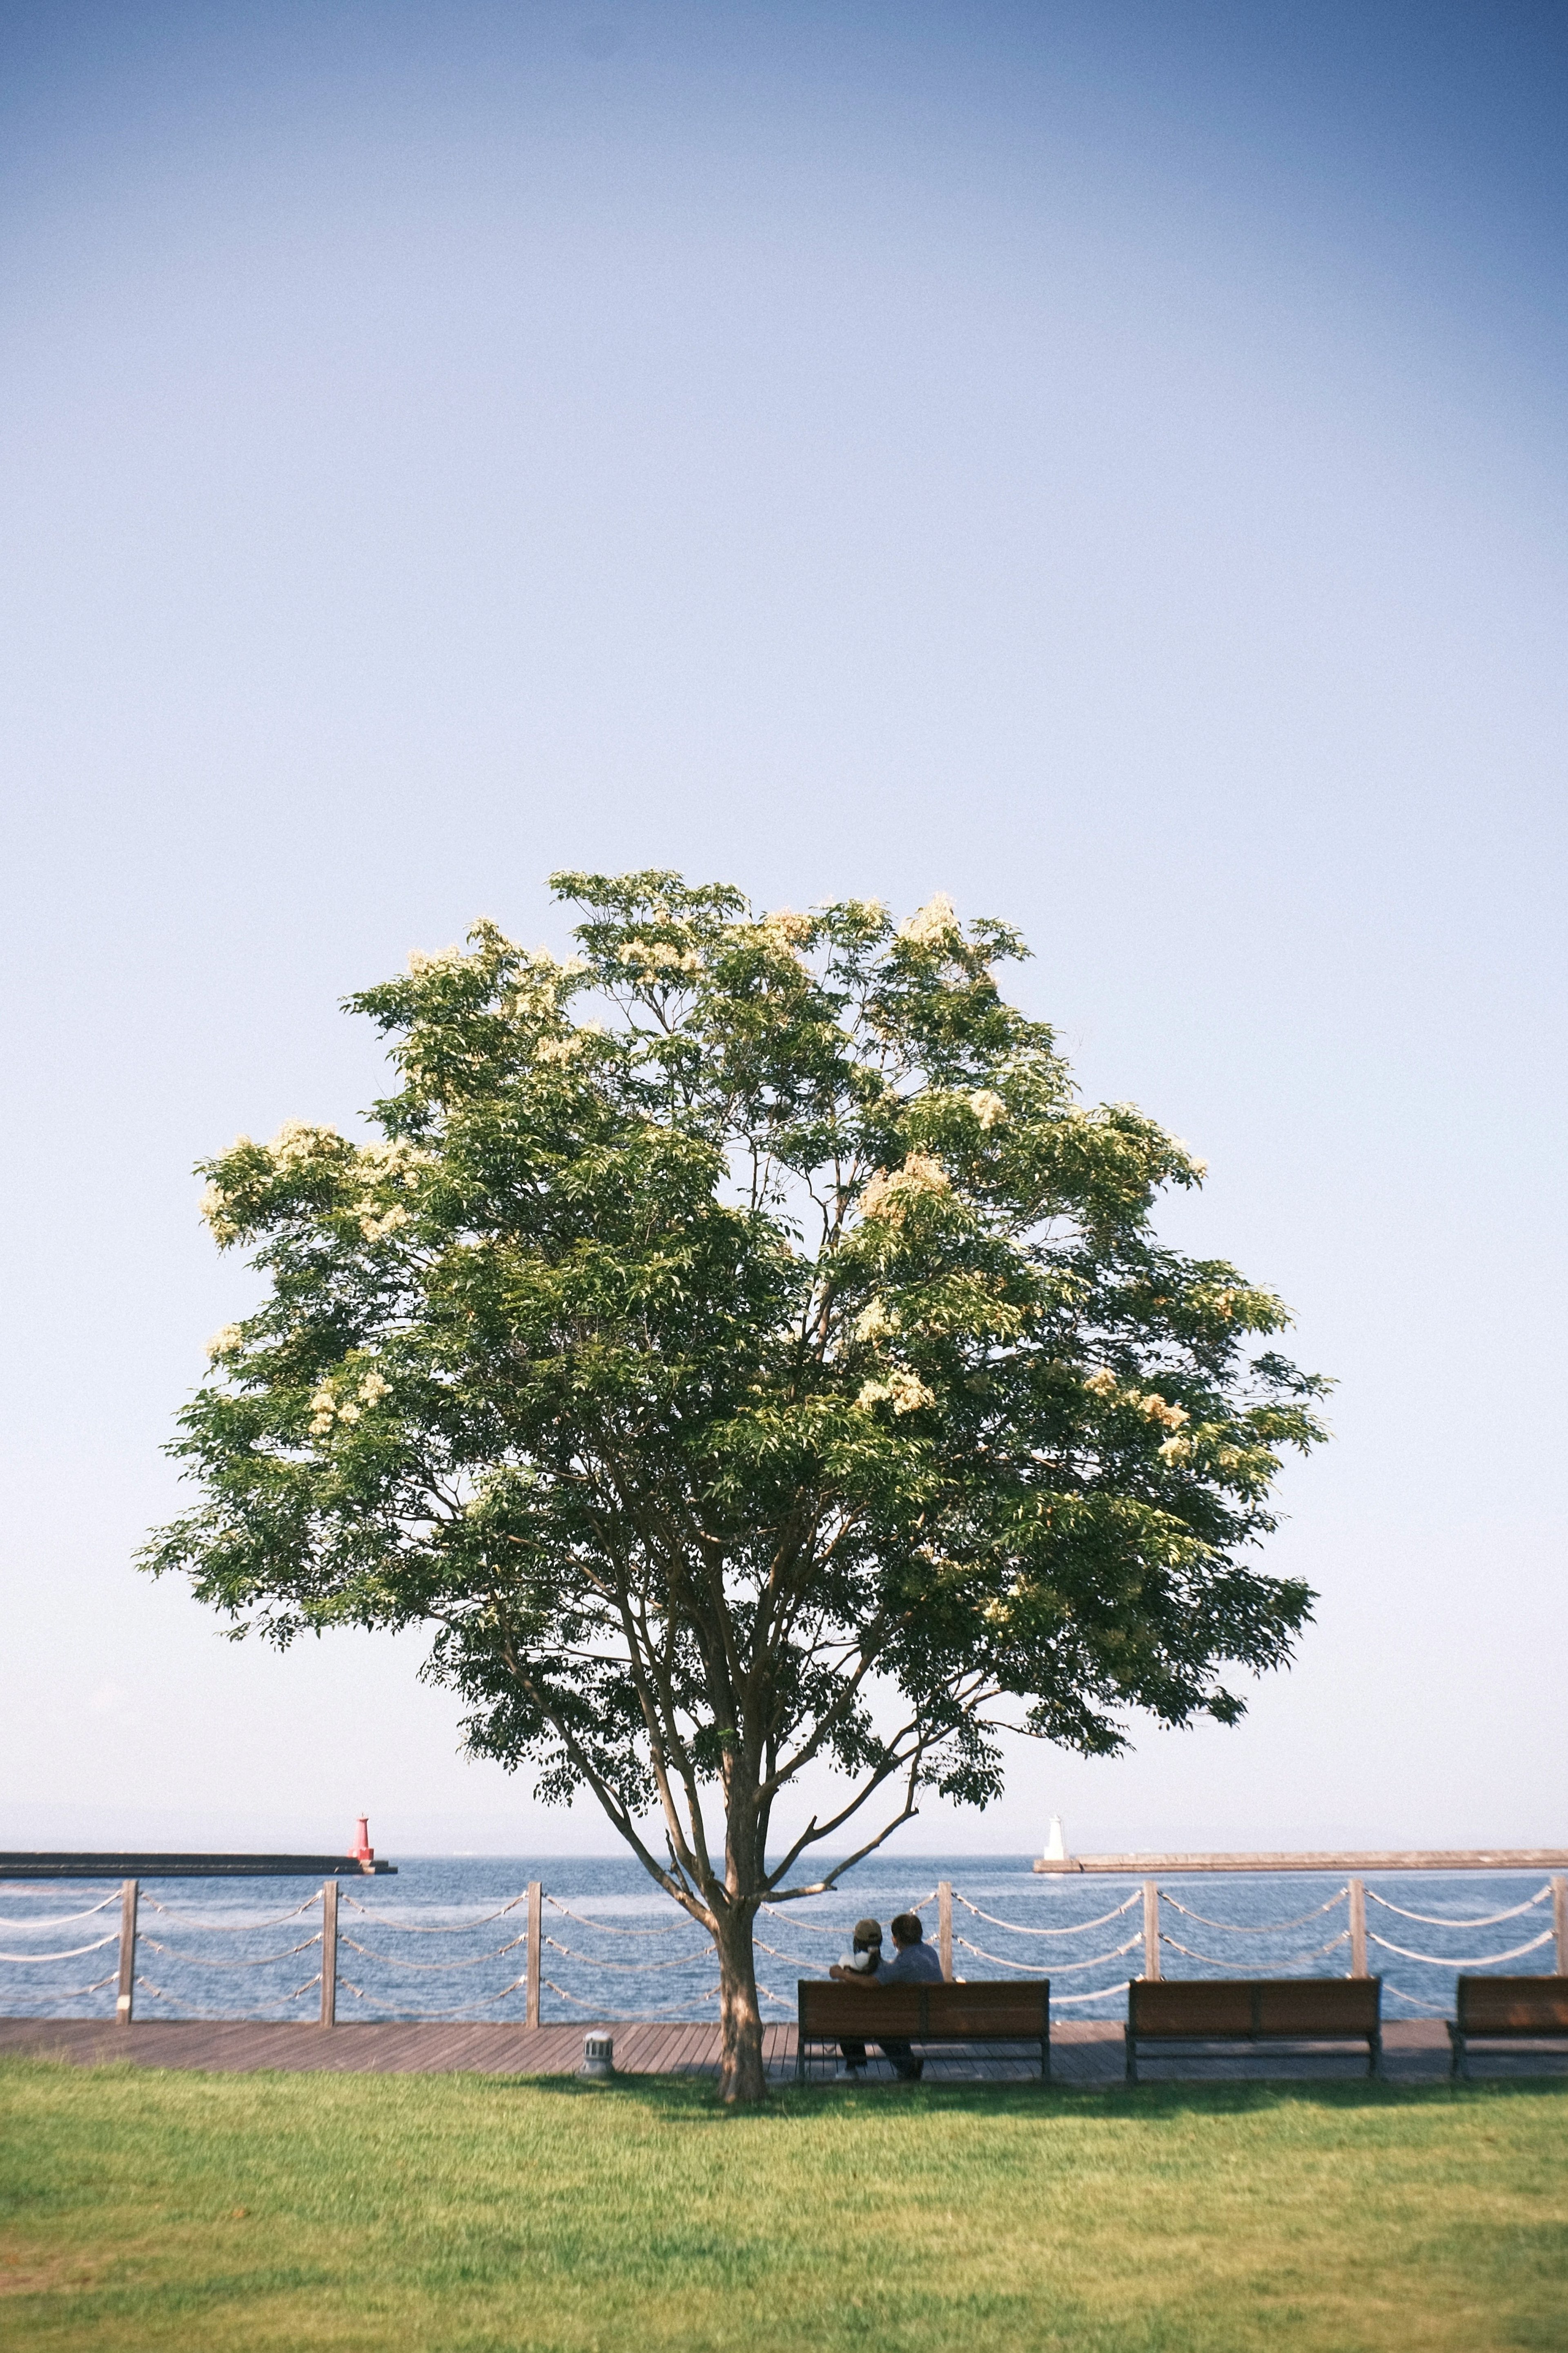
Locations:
(746, 1352)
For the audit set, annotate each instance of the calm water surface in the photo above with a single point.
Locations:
(445, 1937)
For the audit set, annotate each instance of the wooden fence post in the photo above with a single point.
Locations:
(125, 1996)
(1559, 1921)
(944, 1926)
(329, 1953)
(1151, 1928)
(1358, 1929)
(535, 1939)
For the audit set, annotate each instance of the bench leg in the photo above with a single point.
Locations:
(1132, 2056)
(1459, 2058)
(1045, 2057)
(800, 2059)
(1374, 2054)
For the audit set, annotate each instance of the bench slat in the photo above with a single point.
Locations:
(1513, 2006)
(1209, 2009)
(1320, 2006)
(974, 2011)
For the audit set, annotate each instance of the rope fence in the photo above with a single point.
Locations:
(228, 1927)
(583, 1974)
(1485, 1961)
(59, 1919)
(1077, 1929)
(1449, 1919)
(431, 1968)
(457, 2009)
(224, 2017)
(1249, 1969)
(73, 1952)
(1253, 1928)
(1059, 1969)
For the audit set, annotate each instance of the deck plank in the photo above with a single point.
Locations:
(1081, 2052)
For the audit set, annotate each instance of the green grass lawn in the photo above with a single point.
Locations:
(208, 2212)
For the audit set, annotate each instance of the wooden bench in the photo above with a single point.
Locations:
(983, 2012)
(1255, 2010)
(1506, 2009)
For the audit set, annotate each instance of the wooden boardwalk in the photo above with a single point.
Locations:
(1081, 2052)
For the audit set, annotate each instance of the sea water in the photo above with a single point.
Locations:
(445, 1937)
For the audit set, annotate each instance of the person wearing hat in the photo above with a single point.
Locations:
(859, 1967)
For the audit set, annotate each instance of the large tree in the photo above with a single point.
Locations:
(748, 1355)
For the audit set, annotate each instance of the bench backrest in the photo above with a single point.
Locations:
(1513, 2005)
(964, 2012)
(1246, 2006)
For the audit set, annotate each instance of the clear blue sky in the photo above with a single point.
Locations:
(1103, 461)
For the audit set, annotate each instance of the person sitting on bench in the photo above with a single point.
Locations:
(859, 1967)
(913, 1962)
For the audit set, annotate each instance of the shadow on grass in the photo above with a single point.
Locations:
(675, 2096)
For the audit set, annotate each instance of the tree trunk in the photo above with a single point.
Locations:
(740, 2076)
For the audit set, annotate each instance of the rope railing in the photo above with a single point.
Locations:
(455, 2010)
(1074, 1928)
(812, 1927)
(1483, 1961)
(636, 2017)
(1448, 1920)
(1059, 1969)
(837, 1928)
(227, 1927)
(1249, 1969)
(72, 1953)
(588, 1966)
(1432, 2008)
(422, 1928)
(1106, 1993)
(189, 1960)
(631, 1968)
(796, 1960)
(431, 1968)
(224, 2017)
(58, 1919)
(1248, 1928)
(75, 1993)
(612, 1928)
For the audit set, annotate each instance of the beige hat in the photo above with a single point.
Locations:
(868, 1932)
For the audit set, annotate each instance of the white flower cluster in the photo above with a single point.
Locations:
(786, 930)
(375, 1229)
(327, 1407)
(651, 957)
(399, 1158)
(889, 1194)
(297, 1141)
(213, 1208)
(1149, 1403)
(903, 1391)
(988, 1108)
(933, 925)
(877, 1322)
(560, 1050)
